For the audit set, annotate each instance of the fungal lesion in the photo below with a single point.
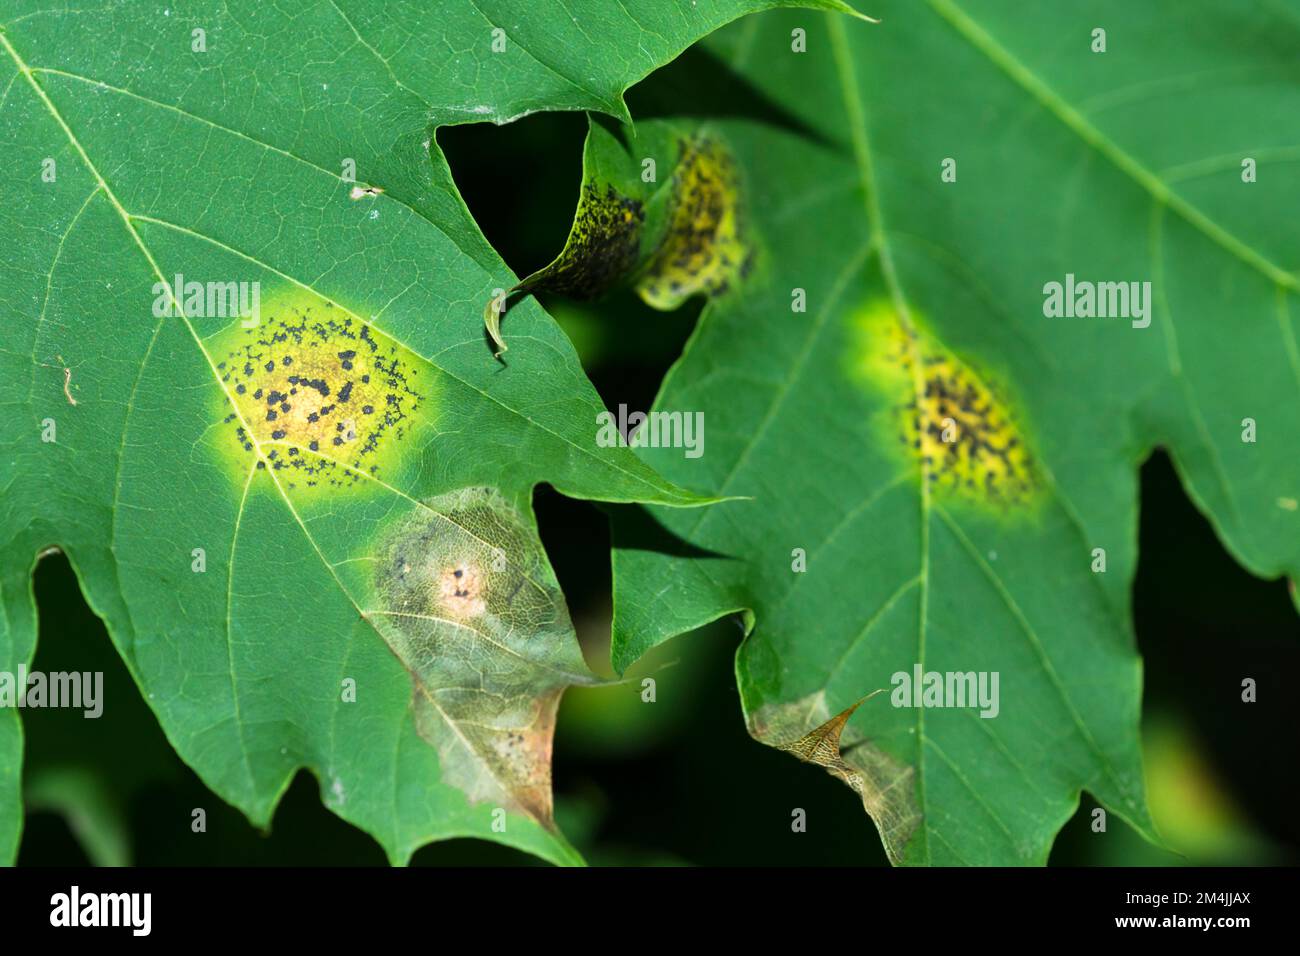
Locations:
(461, 590)
(602, 248)
(957, 426)
(464, 597)
(705, 248)
(454, 589)
(469, 557)
(668, 242)
(319, 395)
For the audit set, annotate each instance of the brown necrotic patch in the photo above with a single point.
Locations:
(322, 395)
(887, 786)
(704, 249)
(464, 597)
(959, 429)
(461, 589)
(468, 556)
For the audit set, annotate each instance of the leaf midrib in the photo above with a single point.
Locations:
(855, 115)
(857, 121)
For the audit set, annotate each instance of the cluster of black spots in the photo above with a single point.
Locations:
(602, 247)
(960, 430)
(317, 380)
(705, 249)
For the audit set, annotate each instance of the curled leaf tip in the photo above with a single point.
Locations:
(492, 320)
(815, 736)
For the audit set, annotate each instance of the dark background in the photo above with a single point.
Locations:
(682, 782)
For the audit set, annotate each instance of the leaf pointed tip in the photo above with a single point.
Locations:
(856, 14)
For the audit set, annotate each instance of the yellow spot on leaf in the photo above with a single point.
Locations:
(952, 424)
(705, 248)
(321, 395)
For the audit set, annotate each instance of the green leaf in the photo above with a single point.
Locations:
(671, 235)
(326, 490)
(925, 301)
